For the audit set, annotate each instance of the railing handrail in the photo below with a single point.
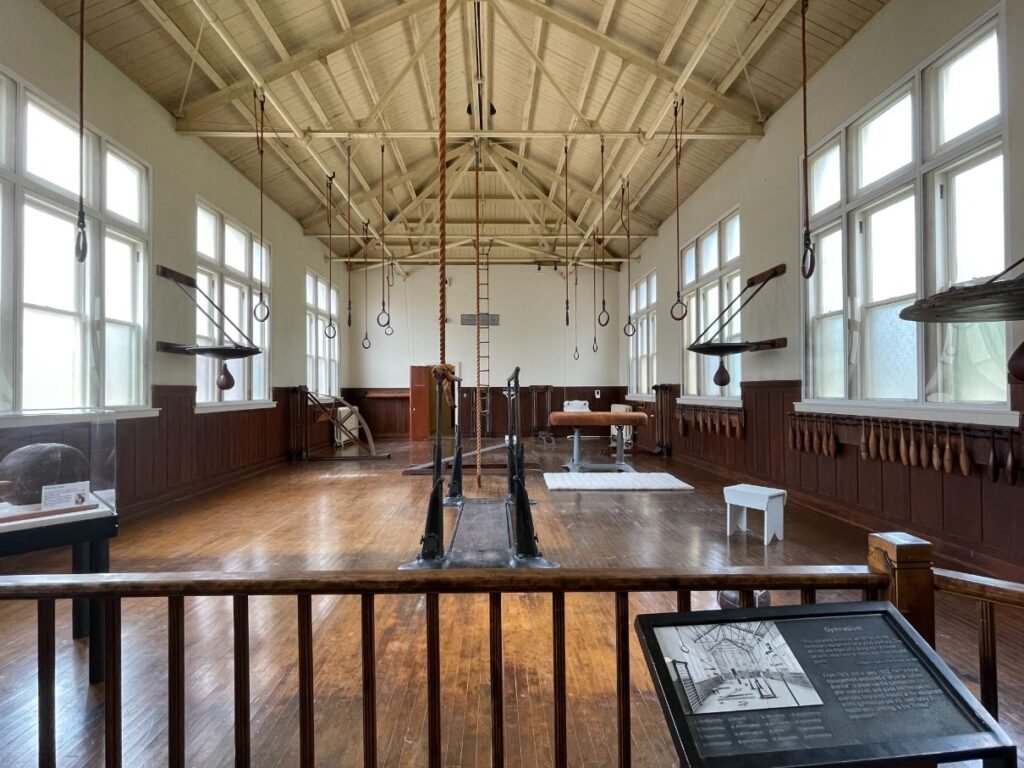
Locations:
(980, 587)
(483, 581)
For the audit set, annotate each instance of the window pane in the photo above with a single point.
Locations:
(890, 353)
(118, 279)
(49, 267)
(51, 361)
(709, 253)
(690, 264)
(124, 188)
(51, 148)
(632, 300)
(886, 142)
(827, 357)
(237, 370)
(690, 358)
(236, 309)
(334, 302)
(234, 248)
(652, 289)
(977, 218)
(208, 285)
(732, 290)
(641, 295)
(204, 378)
(969, 89)
(830, 272)
(731, 230)
(206, 233)
(120, 364)
(825, 183)
(260, 266)
(976, 356)
(321, 294)
(891, 243)
(259, 362)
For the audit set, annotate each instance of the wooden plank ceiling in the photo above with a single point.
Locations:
(344, 73)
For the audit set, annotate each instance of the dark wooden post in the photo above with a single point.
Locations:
(907, 560)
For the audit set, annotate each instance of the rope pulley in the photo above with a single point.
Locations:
(807, 258)
(82, 236)
(678, 310)
(262, 310)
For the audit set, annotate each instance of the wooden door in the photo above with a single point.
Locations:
(421, 389)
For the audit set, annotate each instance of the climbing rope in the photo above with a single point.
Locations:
(262, 311)
(329, 330)
(678, 310)
(565, 213)
(629, 329)
(82, 238)
(604, 318)
(366, 344)
(807, 260)
(383, 317)
(348, 226)
(442, 162)
(479, 400)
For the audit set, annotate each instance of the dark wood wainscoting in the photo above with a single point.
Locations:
(385, 410)
(972, 520)
(536, 407)
(180, 452)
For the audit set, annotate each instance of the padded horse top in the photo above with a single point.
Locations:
(597, 419)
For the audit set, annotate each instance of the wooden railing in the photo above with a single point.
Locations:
(893, 573)
(989, 593)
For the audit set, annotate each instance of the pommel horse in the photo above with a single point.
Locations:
(579, 419)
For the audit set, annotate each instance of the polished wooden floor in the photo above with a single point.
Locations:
(367, 515)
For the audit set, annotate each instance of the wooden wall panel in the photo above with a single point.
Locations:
(386, 411)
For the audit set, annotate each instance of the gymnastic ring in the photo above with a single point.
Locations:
(629, 328)
(388, 330)
(594, 346)
(383, 318)
(330, 331)
(679, 303)
(807, 261)
(261, 311)
(81, 239)
(576, 354)
(365, 342)
(604, 318)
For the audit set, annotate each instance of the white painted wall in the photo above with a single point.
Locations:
(532, 333)
(763, 176)
(38, 48)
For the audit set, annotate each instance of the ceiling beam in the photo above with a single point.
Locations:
(296, 61)
(636, 57)
(753, 131)
(399, 239)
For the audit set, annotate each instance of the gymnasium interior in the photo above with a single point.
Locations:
(511, 383)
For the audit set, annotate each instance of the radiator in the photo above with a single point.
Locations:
(347, 417)
(627, 432)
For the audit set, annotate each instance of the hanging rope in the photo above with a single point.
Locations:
(807, 260)
(82, 238)
(329, 330)
(678, 311)
(366, 287)
(348, 226)
(630, 327)
(478, 397)
(565, 214)
(442, 163)
(593, 263)
(576, 316)
(603, 318)
(383, 318)
(389, 329)
(262, 310)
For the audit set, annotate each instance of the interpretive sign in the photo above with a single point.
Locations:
(817, 685)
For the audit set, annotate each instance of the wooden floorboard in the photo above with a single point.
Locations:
(367, 515)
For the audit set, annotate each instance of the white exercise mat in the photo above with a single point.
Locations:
(614, 481)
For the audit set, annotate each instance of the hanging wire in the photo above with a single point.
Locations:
(366, 288)
(348, 227)
(383, 317)
(629, 329)
(565, 213)
(603, 318)
(807, 260)
(329, 330)
(576, 315)
(593, 263)
(82, 237)
(678, 310)
(262, 310)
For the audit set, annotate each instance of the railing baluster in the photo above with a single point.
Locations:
(46, 658)
(433, 680)
(622, 677)
(684, 603)
(112, 680)
(497, 684)
(987, 658)
(558, 671)
(176, 681)
(240, 609)
(369, 650)
(808, 596)
(307, 749)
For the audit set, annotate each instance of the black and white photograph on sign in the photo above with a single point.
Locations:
(734, 668)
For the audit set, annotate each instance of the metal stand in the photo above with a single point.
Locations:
(619, 465)
(327, 406)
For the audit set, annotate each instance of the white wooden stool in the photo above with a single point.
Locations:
(771, 500)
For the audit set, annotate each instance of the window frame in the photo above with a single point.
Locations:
(315, 315)
(987, 139)
(19, 188)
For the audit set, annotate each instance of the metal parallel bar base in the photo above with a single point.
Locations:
(619, 465)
